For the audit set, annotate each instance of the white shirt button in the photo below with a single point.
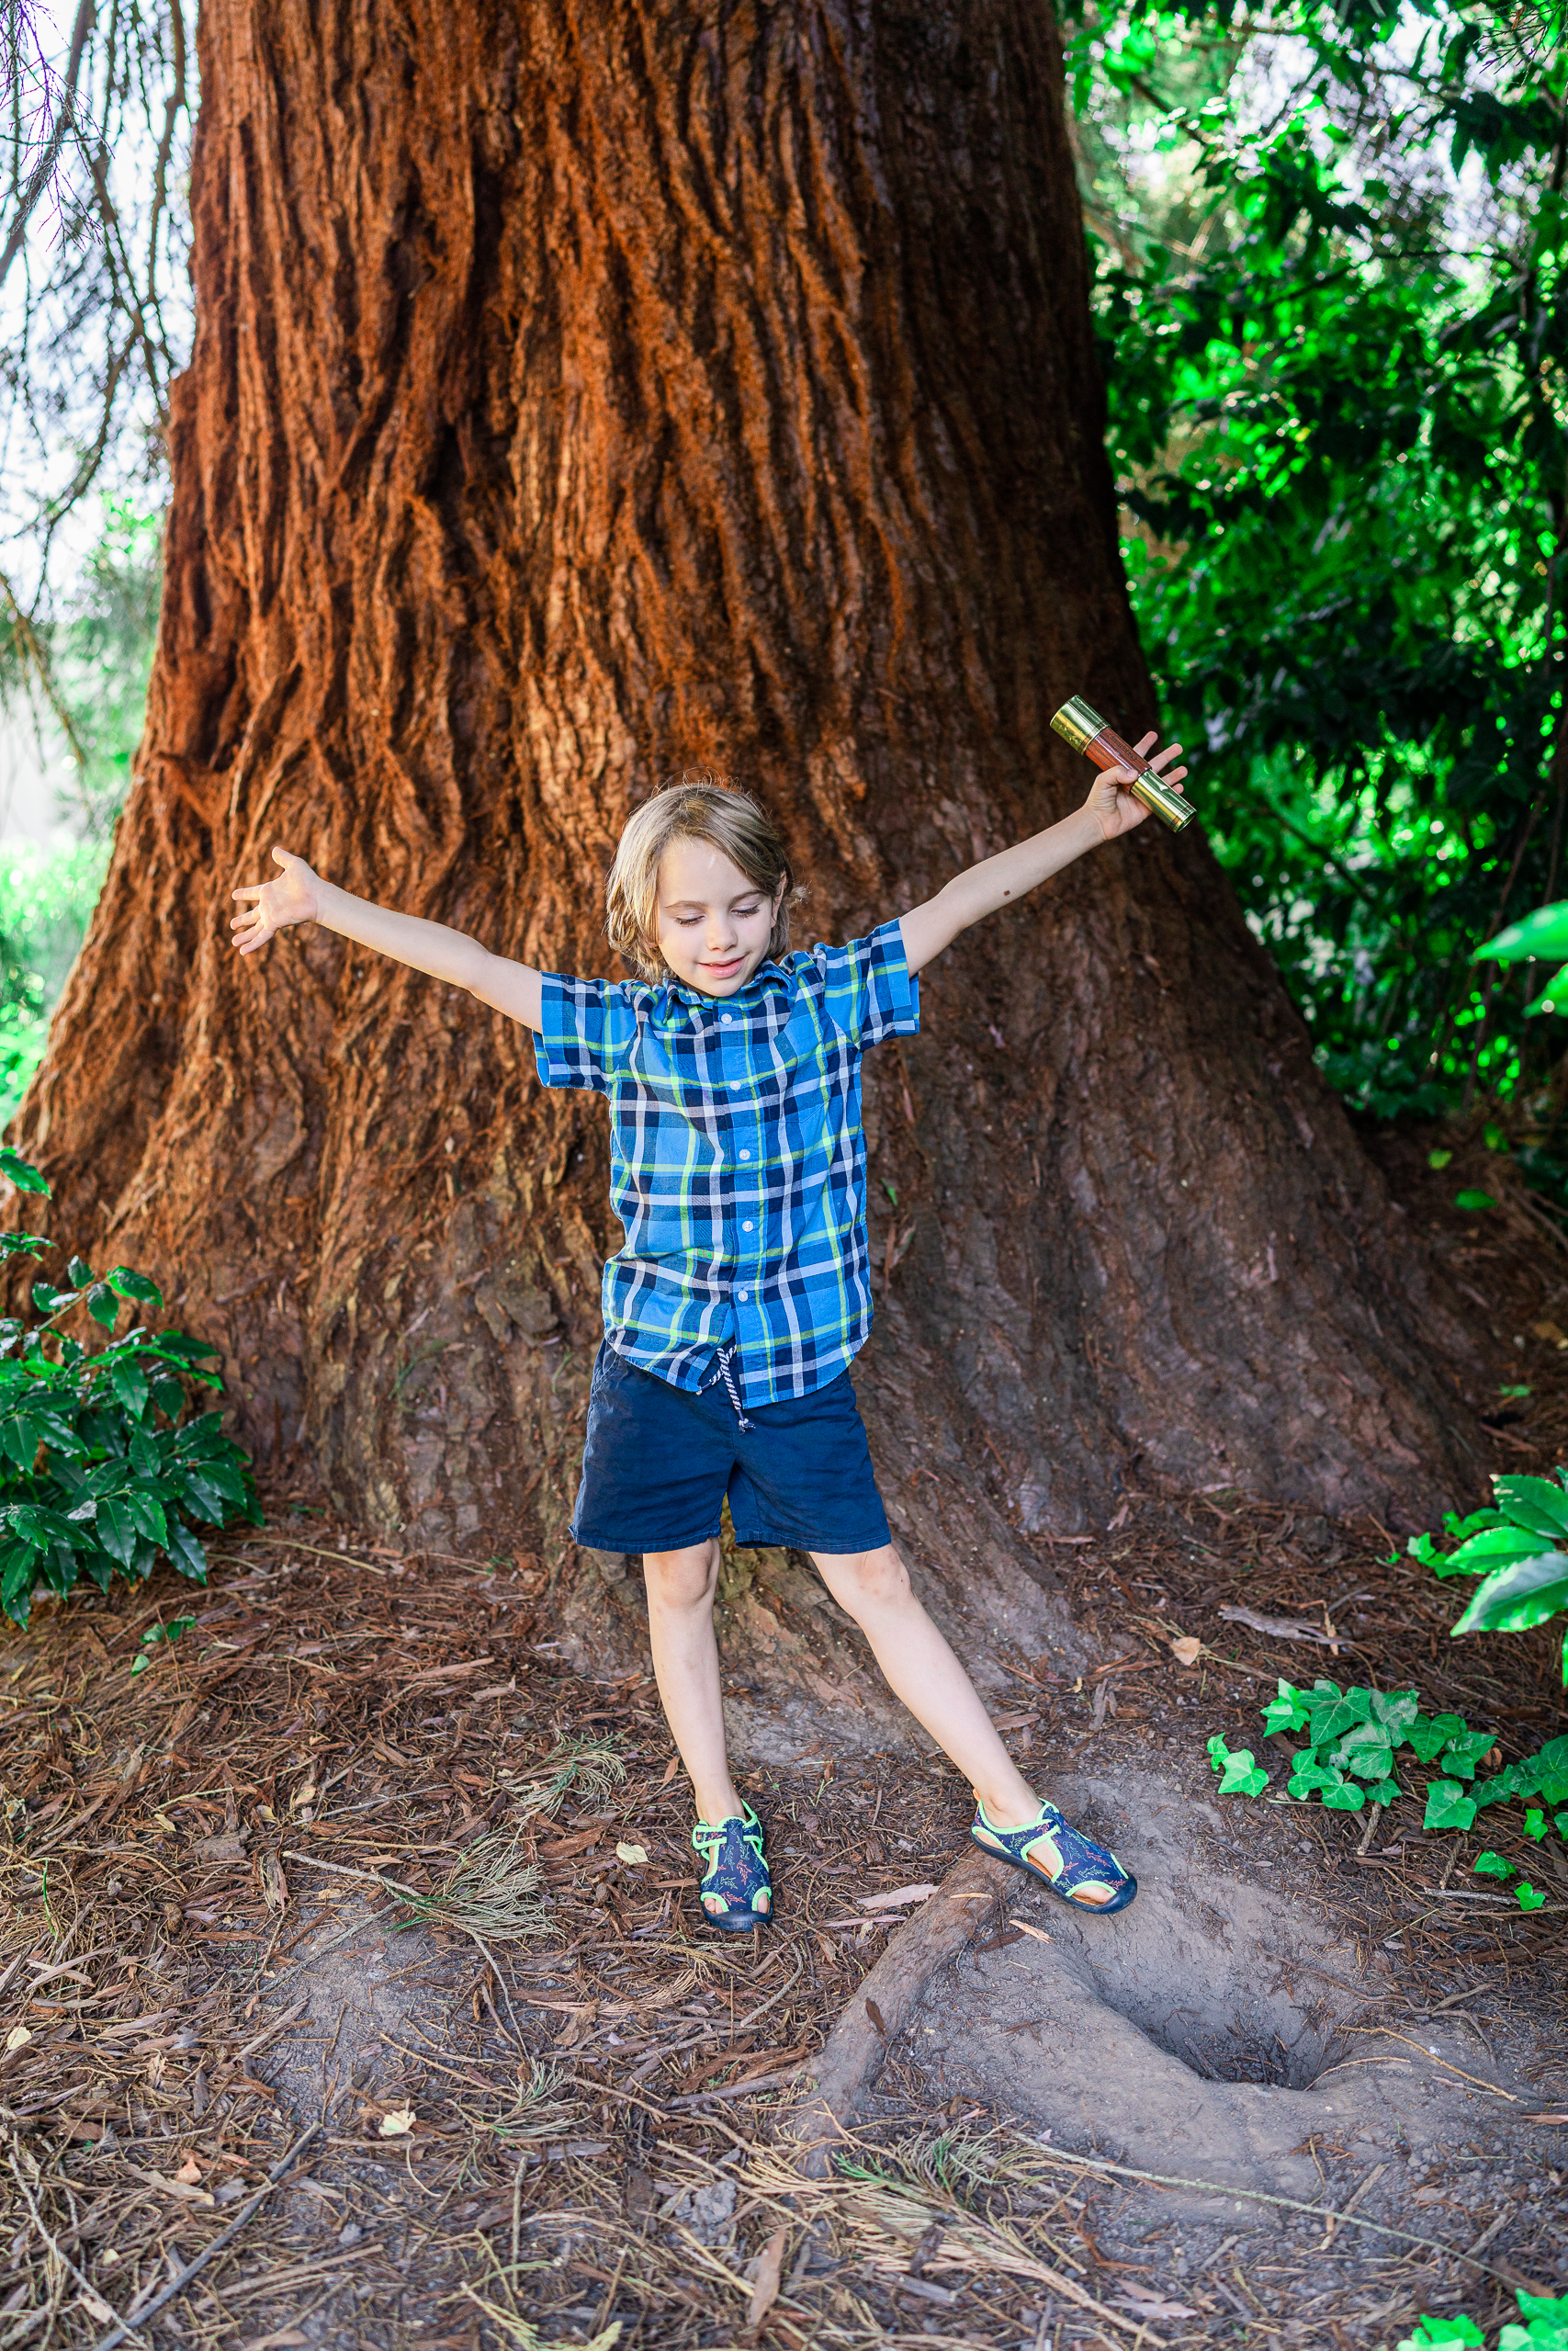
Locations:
(727, 1018)
(743, 1296)
(745, 1155)
(747, 1225)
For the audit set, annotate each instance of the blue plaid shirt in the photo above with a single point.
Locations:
(737, 1161)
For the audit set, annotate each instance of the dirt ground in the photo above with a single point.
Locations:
(353, 1945)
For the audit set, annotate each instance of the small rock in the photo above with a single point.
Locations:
(706, 2210)
(350, 2234)
(228, 1845)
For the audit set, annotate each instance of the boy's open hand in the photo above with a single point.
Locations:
(1114, 809)
(293, 898)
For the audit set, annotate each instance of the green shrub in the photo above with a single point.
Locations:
(107, 1461)
(1519, 1549)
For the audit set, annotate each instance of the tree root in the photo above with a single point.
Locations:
(973, 1894)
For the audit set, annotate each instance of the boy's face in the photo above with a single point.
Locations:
(712, 924)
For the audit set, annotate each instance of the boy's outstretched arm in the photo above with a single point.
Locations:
(300, 895)
(1109, 810)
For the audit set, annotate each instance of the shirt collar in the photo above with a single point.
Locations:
(767, 975)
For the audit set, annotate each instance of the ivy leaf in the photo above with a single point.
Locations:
(1242, 1775)
(1430, 1734)
(1535, 1824)
(1366, 1751)
(1546, 2328)
(1546, 1773)
(1456, 2334)
(1289, 1711)
(1346, 1798)
(1528, 1898)
(1491, 1865)
(1447, 1807)
(1460, 1755)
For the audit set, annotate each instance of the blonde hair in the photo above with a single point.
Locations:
(696, 807)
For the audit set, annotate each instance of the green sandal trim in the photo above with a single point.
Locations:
(1081, 1866)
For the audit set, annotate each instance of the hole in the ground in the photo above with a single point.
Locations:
(1225, 1976)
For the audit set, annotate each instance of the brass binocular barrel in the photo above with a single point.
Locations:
(1086, 731)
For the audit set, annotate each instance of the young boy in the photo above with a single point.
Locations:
(738, 1167)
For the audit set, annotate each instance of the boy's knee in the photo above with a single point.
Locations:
(862, 1580)
(682, 1579)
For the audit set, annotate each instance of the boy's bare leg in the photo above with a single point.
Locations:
(680, 1586)
(873, 1587)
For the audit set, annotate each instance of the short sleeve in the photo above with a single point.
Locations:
(571, 1043)
(869, 993)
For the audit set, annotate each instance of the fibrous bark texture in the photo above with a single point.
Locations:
(582, 394)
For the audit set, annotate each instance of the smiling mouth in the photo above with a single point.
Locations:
(731, 963)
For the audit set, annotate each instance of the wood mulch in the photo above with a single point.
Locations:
(550, 2102)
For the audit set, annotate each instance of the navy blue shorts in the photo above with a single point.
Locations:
(659, 1460)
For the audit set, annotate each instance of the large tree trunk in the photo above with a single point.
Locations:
(581, 393)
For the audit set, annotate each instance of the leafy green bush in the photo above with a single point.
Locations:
(47, 898)
(105, 1460)
(1520, 1550)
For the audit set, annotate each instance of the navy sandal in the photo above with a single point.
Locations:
(735, 1878)
(1069, 1863)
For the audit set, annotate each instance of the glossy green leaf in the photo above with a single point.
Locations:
(128, 1382)
(1537, 1503)
(138, 1286)
(1496, 1547)
(1538, 937)
(187, 1551)
(1528, 1898)
(147, 1516)
(1491, 1865)
(20, 1171)
(1515, 1597)
(117, 1529)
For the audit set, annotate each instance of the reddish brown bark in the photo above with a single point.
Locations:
(584, 392)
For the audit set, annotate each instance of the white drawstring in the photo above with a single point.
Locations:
(726, 1357)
